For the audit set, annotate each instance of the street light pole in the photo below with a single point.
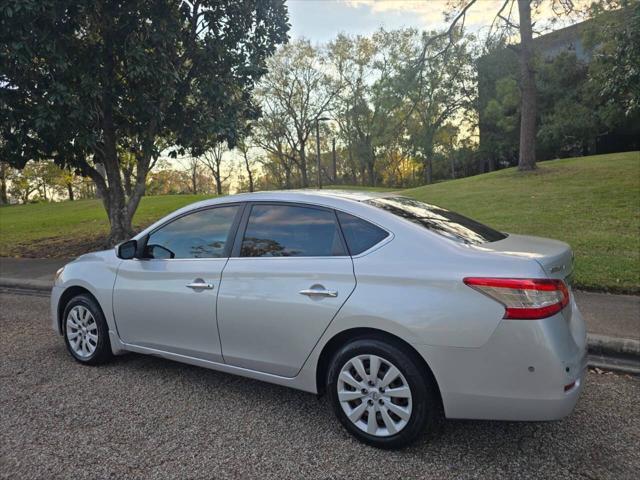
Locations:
(319, 183)
(319, 171)
(333, 157)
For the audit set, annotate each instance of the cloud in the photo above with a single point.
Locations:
(431, 12)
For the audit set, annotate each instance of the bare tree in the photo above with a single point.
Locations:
(270, 134)
(297, 86)
(193, 167)
(248, 162)
(213, 160)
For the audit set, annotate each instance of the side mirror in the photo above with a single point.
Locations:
(127, 250)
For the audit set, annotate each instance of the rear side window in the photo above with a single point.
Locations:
(291, 231)
(439, 220)
(360, 234)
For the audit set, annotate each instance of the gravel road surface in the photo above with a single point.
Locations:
(143, 417)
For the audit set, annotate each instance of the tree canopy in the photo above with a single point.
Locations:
(92, 84)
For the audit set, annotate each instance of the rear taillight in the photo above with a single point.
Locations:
(524, 299)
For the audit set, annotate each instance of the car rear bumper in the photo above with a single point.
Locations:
(529, 370)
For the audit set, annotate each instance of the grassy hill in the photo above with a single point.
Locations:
(593, 203)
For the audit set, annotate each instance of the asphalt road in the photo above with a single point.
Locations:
(143, 417)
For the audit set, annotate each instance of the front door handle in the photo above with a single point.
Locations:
(318, 292)
(199, 286)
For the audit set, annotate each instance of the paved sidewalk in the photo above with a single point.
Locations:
(612, 315)
(606, 315)
(39, 269)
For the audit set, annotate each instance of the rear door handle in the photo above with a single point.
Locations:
(199, 286)
(312, 292)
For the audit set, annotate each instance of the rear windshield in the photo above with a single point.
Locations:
(439, 220)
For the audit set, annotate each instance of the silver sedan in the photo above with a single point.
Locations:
(401, 312)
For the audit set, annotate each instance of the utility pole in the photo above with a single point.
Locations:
(319, 182)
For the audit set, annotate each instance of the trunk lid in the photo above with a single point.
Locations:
(555, 257)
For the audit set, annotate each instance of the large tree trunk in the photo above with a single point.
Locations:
(371, 167)
(428, 169)
(4, 198)
(112, 192)
(287, 177)
(527, 159)
(70, 191)
(249, 172)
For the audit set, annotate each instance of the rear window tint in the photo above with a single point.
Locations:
(291, 231)
(359, 234)
(439, 220)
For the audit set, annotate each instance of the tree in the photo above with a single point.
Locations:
(68, 181)
(248, 162)
(386, 110)
(297, 88)
(569, 114)
(506, 26)
(83, 81)
(4, 175)
(213, 160)
(443, 88)
(167, 181)
(194, 169)
(614, 71)
(500, 121)
(24, 182)
(270, 133)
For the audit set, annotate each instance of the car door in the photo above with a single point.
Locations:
(167, 301)
(287, 278)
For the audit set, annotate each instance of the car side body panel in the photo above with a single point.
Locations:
(265, 323)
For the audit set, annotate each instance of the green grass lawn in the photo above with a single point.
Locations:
(593, 203)
(26, 230)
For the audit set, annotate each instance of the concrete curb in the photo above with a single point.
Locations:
(38, 285)
(605, 345)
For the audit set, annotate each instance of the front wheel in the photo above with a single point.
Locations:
(85, 331)
(381, 395)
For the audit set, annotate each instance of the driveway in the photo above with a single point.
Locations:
(143, 417)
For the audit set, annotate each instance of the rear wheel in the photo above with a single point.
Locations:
(381, 395)
(85, 331)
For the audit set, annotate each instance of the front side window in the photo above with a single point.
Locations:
(291, 231)
(439, 220)
(360, 234)
(202, 234)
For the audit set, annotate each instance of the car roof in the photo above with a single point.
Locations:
(357, 195)
(303, 195)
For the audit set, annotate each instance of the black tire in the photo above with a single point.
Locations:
(426, 411)
(102, 352)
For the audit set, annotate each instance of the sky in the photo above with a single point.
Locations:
(322, 20)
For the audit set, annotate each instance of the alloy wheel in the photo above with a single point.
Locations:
(82, 331)
(374, 395)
